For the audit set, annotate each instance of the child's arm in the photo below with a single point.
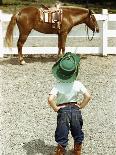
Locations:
(85, 101)
(51, 102)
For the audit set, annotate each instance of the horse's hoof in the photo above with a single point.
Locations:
(60, 55)
(22, 62)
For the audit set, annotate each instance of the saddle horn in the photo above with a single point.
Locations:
(91, 12)
(44, 7)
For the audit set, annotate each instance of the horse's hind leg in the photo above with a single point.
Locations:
(20, 43)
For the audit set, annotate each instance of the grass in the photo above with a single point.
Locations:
(11, 6)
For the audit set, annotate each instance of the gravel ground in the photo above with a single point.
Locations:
(27, 123)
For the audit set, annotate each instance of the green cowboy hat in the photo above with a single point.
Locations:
(66, 68)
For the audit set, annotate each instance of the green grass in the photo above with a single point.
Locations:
(12, 6)
(25, 2)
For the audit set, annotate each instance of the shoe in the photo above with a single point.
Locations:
(59, 150)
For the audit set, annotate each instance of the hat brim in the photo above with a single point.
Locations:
(57, 72)
(61, 77)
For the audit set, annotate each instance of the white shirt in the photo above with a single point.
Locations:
(67, 92)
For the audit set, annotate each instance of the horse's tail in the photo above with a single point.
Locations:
(9, 32)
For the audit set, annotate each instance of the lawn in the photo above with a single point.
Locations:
(11, 6)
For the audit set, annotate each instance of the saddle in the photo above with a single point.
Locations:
(51, 15)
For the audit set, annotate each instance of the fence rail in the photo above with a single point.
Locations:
(104, 34)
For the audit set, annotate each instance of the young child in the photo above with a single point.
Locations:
(63, 99)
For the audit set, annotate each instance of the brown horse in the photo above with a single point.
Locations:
(29, 18)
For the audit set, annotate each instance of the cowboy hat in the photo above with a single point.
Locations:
(66, 68)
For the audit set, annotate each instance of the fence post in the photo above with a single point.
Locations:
(1, 36)
(105, 32)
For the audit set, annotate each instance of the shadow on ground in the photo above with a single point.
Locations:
(38, 147)
(29, 59)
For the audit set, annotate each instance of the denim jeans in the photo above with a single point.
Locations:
(69, 118)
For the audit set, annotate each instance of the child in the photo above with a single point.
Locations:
(63, 99)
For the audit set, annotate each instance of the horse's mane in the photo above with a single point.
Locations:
(74, 8)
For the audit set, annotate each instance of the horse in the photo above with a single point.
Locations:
(28, 18)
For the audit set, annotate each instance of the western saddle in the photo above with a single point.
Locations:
(51, 15)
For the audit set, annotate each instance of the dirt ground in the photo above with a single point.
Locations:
(27, 123)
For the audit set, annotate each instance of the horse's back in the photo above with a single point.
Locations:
(29, 10)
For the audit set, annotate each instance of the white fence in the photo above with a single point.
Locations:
(103, 49)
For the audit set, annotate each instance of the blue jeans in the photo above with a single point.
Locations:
(69, 118)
